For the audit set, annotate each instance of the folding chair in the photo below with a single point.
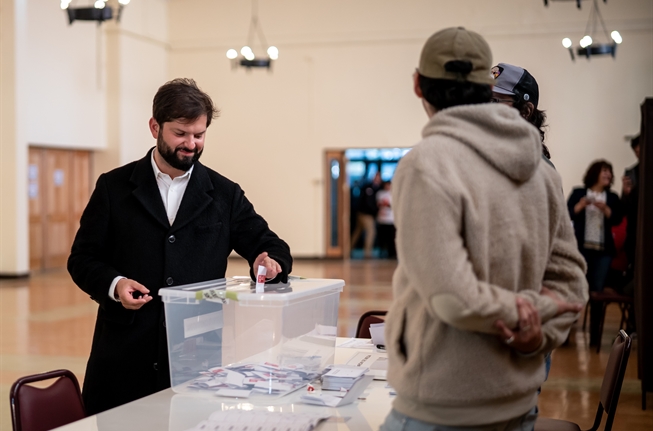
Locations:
(41, 409)
(610, 390)
(368, 318)
(603, 299)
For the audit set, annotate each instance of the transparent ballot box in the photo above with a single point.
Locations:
(226, 339)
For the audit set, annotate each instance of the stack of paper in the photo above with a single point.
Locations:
(338, 377)
(339, 398)
(376, 362)
(241, 379)
(238, 420)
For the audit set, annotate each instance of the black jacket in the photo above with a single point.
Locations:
(579, 219)
(124, 230)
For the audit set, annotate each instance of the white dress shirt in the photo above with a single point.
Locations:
(172, 191)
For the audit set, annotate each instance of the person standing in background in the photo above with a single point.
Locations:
(594, 209)
(385, 221)
(366, 215)
(516, 87)
(630, 200)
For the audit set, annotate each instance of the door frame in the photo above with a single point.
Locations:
(337, 239)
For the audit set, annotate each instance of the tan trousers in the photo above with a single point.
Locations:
(365, 222)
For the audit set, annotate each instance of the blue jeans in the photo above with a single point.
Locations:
(598, 265)
(399, 422)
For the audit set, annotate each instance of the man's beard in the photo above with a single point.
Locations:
(171, 157)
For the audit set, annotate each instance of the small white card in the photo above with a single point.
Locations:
(260, 279)
(377, 330)
(346, 371)
(336, 401)
(234, 379)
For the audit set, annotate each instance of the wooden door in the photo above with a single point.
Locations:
(36, 208)
(337, 204)
(59, 187)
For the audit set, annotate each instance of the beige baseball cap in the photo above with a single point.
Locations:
(457, 54)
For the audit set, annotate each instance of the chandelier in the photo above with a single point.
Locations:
(101, 11)
(246, 57)
(588, 46)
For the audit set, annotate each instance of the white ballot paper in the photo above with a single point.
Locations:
(357, 343)
(377, 331)
(260, 279)
(261, 378)
(335, 401)
(376, 362)
(241, 420)
(345, 371)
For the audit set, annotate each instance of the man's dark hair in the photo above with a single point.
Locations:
(445, 93)
(593, 172)
(634, 142)
(537, 119)
(181, 99)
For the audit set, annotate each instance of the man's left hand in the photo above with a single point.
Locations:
(527, 337)
(271, 265)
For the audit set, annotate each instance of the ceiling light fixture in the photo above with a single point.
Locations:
(100, 11)
(588, 47)
(247, 58)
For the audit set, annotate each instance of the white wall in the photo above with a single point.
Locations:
(79, 86)
(61, 79)
(10, 248)
(136, 67)
(344, 80)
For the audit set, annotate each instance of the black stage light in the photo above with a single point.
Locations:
(598, 49)
(588, 47)
(257, 62)
(89, 14)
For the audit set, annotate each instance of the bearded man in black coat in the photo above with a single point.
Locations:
(164, 220)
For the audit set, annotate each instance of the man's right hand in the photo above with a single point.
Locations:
(563, 306)
(128, 290)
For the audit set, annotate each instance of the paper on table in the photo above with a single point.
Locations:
(335, 401)
(376, 362)
(377, 330)
(239, 420)
(357, 343)
(346, 371)
(234, 379)
(235, 393)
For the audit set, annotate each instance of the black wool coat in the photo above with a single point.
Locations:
(124, 231)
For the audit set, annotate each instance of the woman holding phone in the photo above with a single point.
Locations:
(594, 209)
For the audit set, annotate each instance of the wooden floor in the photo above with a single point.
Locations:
(46, 323)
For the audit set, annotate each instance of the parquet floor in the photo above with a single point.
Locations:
(46, 323)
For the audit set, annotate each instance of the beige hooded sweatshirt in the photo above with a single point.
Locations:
(480, 221)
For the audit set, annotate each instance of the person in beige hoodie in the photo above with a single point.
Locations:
(489, 277)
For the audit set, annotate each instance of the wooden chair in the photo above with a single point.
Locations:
(368, 318)
(610, 390)
(41, 409)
